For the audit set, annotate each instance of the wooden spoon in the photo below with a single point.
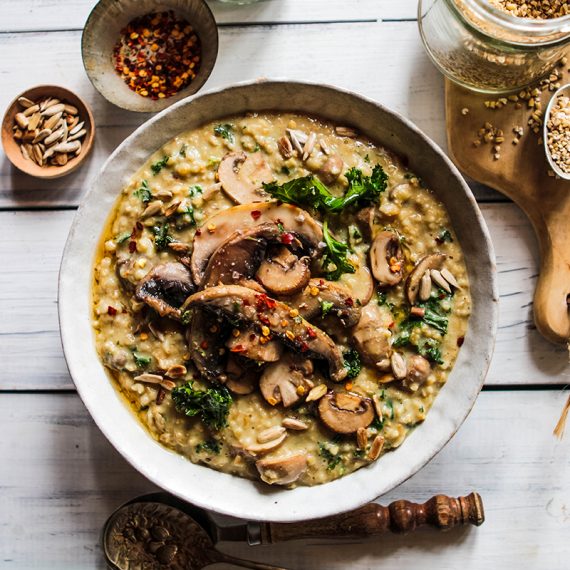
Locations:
(160, 529)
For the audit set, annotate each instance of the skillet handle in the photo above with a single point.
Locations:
(440, 512)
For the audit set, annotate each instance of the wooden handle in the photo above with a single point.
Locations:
(440, 512)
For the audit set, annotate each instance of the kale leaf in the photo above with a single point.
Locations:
(159, 165)
(212, 405)
(161, 237)
(225, 131)
(143, 192)
(332, 460)
(335, 254)
(352, 363)
(210, 445)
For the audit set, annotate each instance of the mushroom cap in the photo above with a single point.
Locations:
(282, 470)
(386, 245)
(345, 412)
(284, 273)
(371, 336)
(240, 380)
(165, 287)
(331, 169)
(419, 369)
(280, 381)
(292, 219)
(431, 261)
(248, 345)
(359, 283)
(246, 305)
(241, 176)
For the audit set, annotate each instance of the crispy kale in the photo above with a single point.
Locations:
(335, 255)
(212, 405)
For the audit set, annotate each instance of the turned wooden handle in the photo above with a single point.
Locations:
(440, 512)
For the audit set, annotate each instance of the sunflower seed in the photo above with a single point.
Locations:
(37, 154)
(399, 368)
(438, 279)
(425, 287)
(176, 371)
(270, 434)
(77, 135)
(25, 102)
(296, 143)
(448, 276)
(34, 121)
(29, 136)
(76, 128)
(309, 146)
(41, 135)
(152, 209)
(361, 438)
(70, 109)
(52, 121)
(377, 406)
(18, 133)
(324, 146)
(149, 378)
(22, 120)
(267, 446)
(53, 109)
(31, 110)
(24, 152)
(346, 132)
(294, 424)
(171, 209)
(376, 448)
(48, 153)
(55, 136)
(285, 147)
(316, 393)
(66, 146)
(162, 194)
(61, 159)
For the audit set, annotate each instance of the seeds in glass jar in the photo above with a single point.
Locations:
(558, 133)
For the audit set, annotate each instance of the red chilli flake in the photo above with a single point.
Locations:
(460, 341)
(349, 302)
(111, 311)
(264, 302)
(304, 347)
(132, 246)
(311, 333)
(204, 345)
(256, 214)
(287, 238)
(238, 348)
(198, 232)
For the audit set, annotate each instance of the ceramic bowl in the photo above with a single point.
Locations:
(226, 493)
(12, 148)
(102, 32)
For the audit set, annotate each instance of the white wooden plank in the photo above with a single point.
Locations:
(30, 350)
(400, 77)
(42, 15)
(60, 480)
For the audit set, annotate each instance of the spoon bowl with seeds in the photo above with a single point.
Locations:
(556, 132)
(47, 131)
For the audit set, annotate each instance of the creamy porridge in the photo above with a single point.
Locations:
(279, 298)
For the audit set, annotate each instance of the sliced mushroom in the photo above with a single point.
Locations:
(282, 470)
(284, 273)
(242, 175)
(261, 448)
(285, 382)
(386, 259)
(359, 283)
(419, 369)
(252, 345)
(371, 336)
(240, 380)
(317, 293)
(164, 288)
(365, 220)
(427, 263)
(245, 305)
(331, 169)
(345, 412)
(218, 228)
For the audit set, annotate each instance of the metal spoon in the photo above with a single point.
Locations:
(148, 535)
(564, 90)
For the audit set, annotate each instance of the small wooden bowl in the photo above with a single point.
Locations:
(103, 30)
(12, 148)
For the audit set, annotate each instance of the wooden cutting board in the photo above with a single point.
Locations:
(521, 173)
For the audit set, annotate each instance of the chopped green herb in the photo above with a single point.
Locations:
(335, 255)
(225, 131)
(210, 445)
(356, 233)
(194, 190)
(256, 148)
(405, 329)
(143, 408)
(141, 360)
(358, 453)
(382, 298)
(352, 363)
(429, 348)
(390, 405)
(122, 238)
(377, 424)
(143, 192)
(186, 317)
(326, 308)
(444, 236)
(182, 151)
(421, 409)
(332, 460)
(310, 191)
(159, 165)
(161, 237)
(285, 170)
(212, 405)
(213, 162)
(367, 159)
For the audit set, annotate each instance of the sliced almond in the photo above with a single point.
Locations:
(270, 434)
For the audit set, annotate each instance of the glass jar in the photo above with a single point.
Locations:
(488, 50)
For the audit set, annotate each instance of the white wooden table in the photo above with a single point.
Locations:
(59, 478)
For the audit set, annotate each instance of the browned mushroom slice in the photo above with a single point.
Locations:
(285, 381)
(284, 273)
(245, 305)
(216, 230)
(331, 169)
(371, 336)
(242, 175)
(205, 343)
(432, 261)
(386, 259)
(418, 369)
(252, 345)
(315, 299)
(282, 470)
(365, 221)
(164, 288)
(240, 380)
(345, 412)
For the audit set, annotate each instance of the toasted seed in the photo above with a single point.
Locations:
(294, 424)
(25, 102)
(72, 122)
(438, 279)
(34, 121)
(270, 434)
(267, 446)
(316, 393)
(152, 209)
(346, 132)
(176, 371)
(53, 109)
(61, 159)
(24, 152)
(17, 133)
(324, 146)
(41, 135)
(168, 385)
(448, 276)
(54, 137)
(48, 153)
(78, 151)
(309, 146)
(70, 109)
(77, 135)
(31, 110)
(425, 287)
(378, 406)
(399, 368)
(48, 103)
(361, 438)
(163, 195)
(22, 120)
(52, 121)
(67, 146)
(285, 147)
(296, 144)
(418, 312)
(376, 448)
(172, 209)
(149, 378)
(29, 136)
(76, 128)
(37, 154)
(179, 247)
